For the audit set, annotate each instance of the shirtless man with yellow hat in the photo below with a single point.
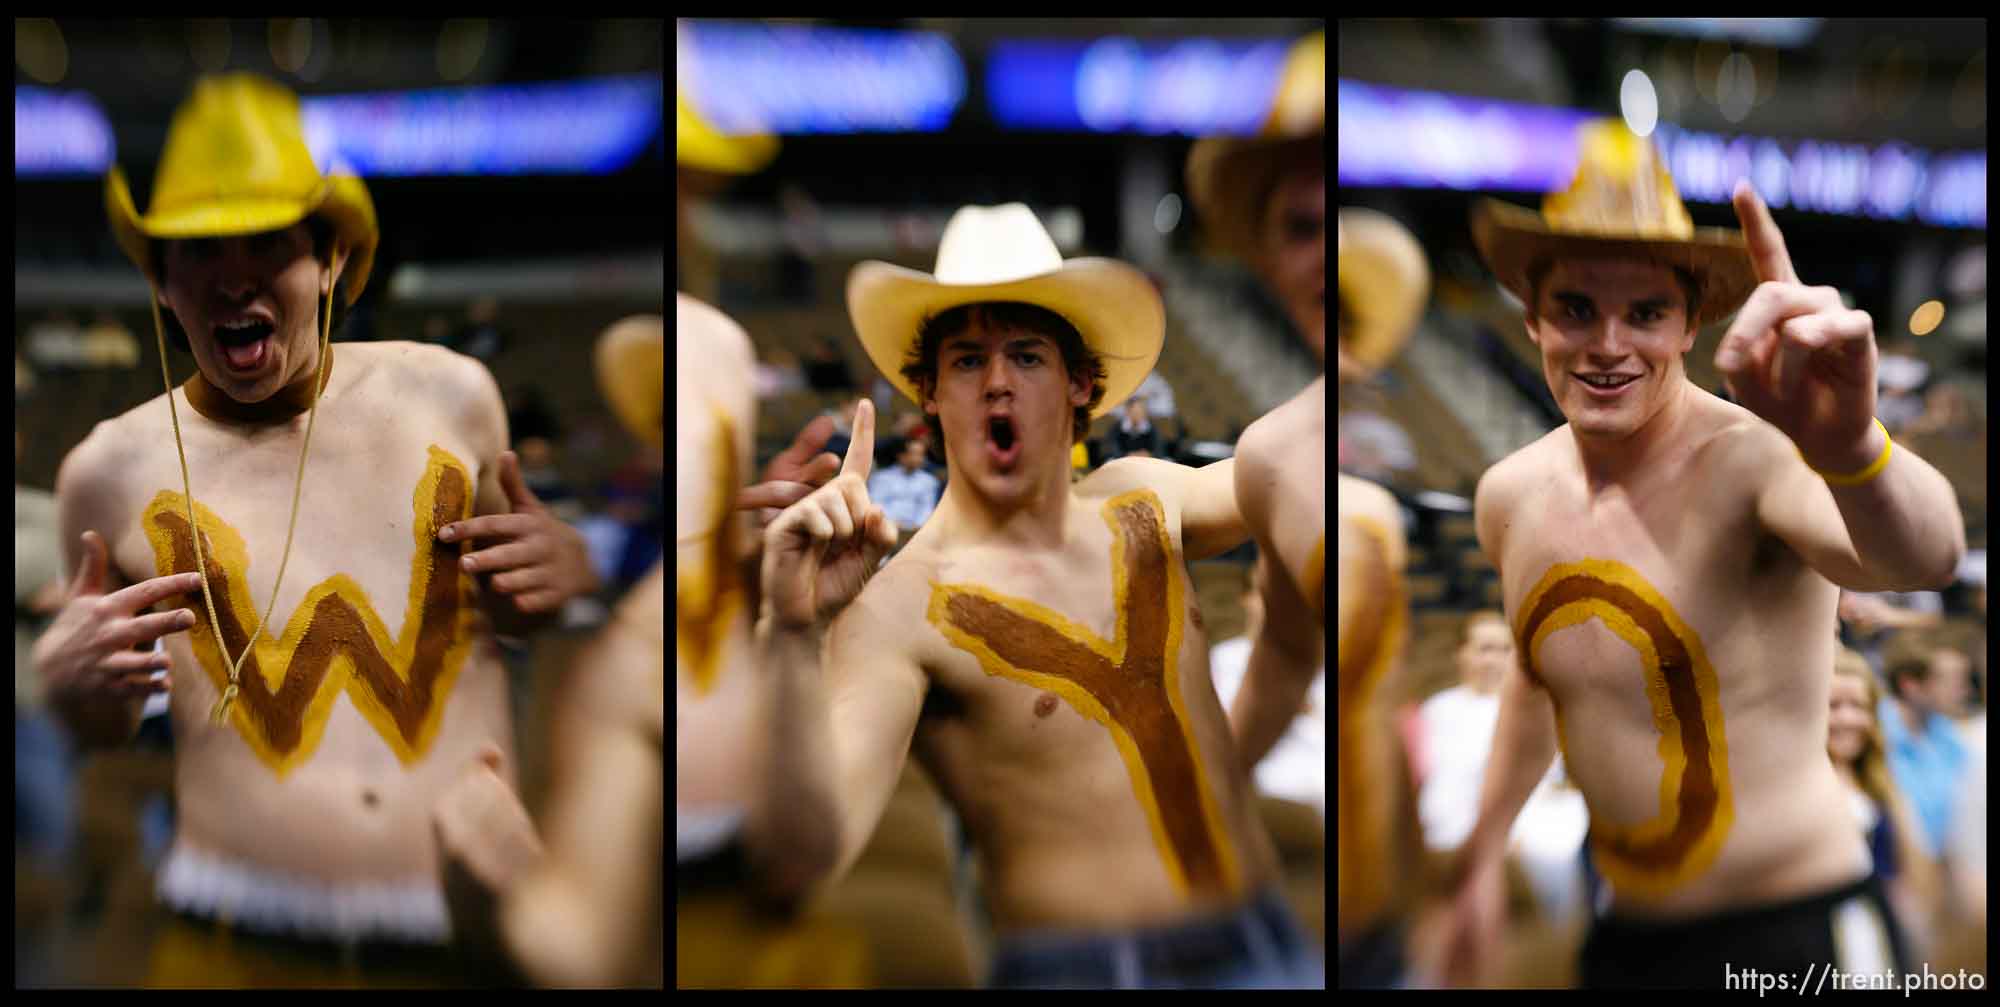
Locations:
(1036, 644)
(319, 707)
(1671, 564)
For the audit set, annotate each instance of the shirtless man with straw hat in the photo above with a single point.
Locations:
(1671, 564)
(1036, 644)
(339, 668)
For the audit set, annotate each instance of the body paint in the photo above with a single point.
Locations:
(1313, 589)
(708, 592)
(334, 641)
(1363, 663)
(1696, 809)
(1130, 684)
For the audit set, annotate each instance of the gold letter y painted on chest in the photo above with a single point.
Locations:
(1130, 684)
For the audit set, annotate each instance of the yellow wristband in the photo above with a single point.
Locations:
(1866, 474)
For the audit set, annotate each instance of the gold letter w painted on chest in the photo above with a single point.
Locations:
(1130, 684)
(334, 641)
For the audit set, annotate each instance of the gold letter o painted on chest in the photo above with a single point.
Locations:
(1696, 809)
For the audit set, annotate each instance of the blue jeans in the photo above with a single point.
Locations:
(1260, 946)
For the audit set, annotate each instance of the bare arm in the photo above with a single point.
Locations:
(1524, 741)
(843, 709)
(1901, 531)
(95, 717)
(588, 914)
(1288, 650)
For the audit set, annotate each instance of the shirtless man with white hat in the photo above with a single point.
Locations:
(1671, 563)
(1036, 644)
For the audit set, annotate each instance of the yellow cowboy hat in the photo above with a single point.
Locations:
(1229, 178)
(1384, 284)
(632, 372)
(1002, 253)
(1622, 204)
(236, 162)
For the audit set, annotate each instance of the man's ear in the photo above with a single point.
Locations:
(1528, 322)
(1079, 389)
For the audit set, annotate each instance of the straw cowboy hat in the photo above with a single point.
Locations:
(1002, 253)
(631, 360)
(235, 163)
(1230, 178)
(1384, 284)
(1622, 204)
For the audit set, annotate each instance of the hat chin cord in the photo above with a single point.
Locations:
(220, 712)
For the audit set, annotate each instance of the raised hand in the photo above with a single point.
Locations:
(821, 550)
(1797, 356)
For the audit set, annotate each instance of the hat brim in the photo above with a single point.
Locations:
(343, 200)
(1228, 177)
(1113, 306)
(1513, 239)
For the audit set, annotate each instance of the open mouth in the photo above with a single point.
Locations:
(245, 343)
(1003, 443)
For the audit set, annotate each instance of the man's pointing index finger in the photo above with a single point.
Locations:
(1767, 245)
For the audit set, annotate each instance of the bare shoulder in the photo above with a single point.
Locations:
(113, 447)
(1360, 498)
(426, 363)
(1738, 442)
(706, 340)
(1123, 475)
(1272, 434)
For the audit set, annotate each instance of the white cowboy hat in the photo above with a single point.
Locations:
(1002, 253)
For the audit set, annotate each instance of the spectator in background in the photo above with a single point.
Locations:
(779, 374)
(827, 370)
(481, 337)
(906, 490)
(843, 428)
(1159, 397)
(1855, 743)
(1456, 728)
(1947, 413)
(1900, 374)
(1295, 769)
(1374, 447)
(1925, 750)
(1135, 435)
(1872, 619)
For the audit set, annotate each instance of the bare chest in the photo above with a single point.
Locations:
(1031, 655)
(367, 497)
